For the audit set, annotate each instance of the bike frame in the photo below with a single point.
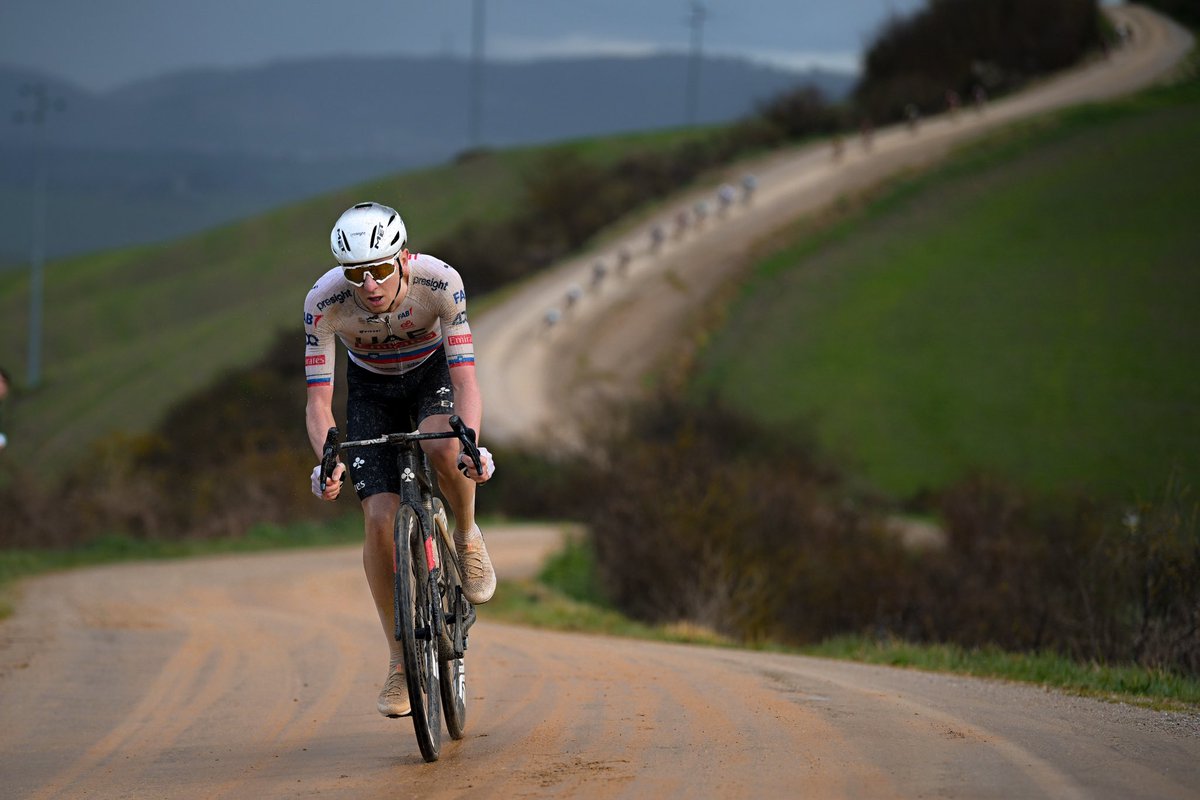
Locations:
(416, 488)
(429, 621)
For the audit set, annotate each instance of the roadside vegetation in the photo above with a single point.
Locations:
(699, 514)
(929, 332)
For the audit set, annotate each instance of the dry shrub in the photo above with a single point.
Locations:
(1066, 574)
(698, 515)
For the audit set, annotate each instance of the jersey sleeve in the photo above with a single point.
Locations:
(460, 349)
(319, 344)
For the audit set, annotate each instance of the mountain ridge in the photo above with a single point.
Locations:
(290, 129)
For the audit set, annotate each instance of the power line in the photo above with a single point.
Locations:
(42, 104)
(475, 94)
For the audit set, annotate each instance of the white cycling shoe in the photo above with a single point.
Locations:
(393, 697)
(479, 579)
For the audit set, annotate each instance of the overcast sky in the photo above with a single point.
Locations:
(99, 44)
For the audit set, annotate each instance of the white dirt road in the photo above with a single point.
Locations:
(255, 676)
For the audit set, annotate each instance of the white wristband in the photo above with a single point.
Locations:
(485, 460)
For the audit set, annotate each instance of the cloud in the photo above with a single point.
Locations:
(516, 48)
(801, 61)
(572, 45)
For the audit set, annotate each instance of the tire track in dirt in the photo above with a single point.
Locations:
(258, 678)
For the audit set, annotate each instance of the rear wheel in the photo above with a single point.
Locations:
(417, 616)
(454, 611)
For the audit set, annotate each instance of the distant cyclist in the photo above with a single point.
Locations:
(726, 194)
(657, 237)
(403, 320)
(749, 184)
(599, 270)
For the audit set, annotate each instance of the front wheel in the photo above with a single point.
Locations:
(417, 622)
(453, 641)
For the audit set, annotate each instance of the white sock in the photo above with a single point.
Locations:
(464, 537)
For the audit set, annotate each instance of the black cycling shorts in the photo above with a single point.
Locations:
(379, 404)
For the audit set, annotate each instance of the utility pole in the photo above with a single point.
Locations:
(695, 19)
(475, 94)
(39, 95)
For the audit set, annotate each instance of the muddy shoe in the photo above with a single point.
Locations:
(479, 579)
(393, 697)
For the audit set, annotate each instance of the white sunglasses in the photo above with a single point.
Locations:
(381, 271)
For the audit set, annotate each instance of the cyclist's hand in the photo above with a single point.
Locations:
(467, 466)
(333, 486)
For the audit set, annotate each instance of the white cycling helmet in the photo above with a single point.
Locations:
(367, 232)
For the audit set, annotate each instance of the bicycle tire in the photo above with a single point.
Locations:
(417, 611)
(453, 676)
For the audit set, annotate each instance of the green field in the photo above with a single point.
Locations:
(1031, 308)
(130, 332)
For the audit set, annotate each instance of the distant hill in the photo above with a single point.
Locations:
(159, 158)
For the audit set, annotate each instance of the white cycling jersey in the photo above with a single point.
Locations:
(433, 314)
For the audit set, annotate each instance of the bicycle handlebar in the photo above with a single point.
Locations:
(459, 430)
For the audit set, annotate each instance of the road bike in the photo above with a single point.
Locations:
(432, 614)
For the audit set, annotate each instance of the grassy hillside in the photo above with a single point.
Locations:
(129, 332)
(1029, 308)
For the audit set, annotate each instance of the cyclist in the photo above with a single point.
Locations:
(403, 320)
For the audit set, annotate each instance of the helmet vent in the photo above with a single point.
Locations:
(364, 205)
(395, 238)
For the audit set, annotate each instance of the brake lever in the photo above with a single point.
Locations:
(467, 437)
(329, 456)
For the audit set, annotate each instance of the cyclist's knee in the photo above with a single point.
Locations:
(379, 512)
(443, 454)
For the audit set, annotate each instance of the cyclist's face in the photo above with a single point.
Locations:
(379, 297)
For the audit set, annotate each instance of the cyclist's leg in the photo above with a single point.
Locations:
(376, 406)
(379, 517)
(434, 402)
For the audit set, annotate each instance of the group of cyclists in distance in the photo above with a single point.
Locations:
(685, 219)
